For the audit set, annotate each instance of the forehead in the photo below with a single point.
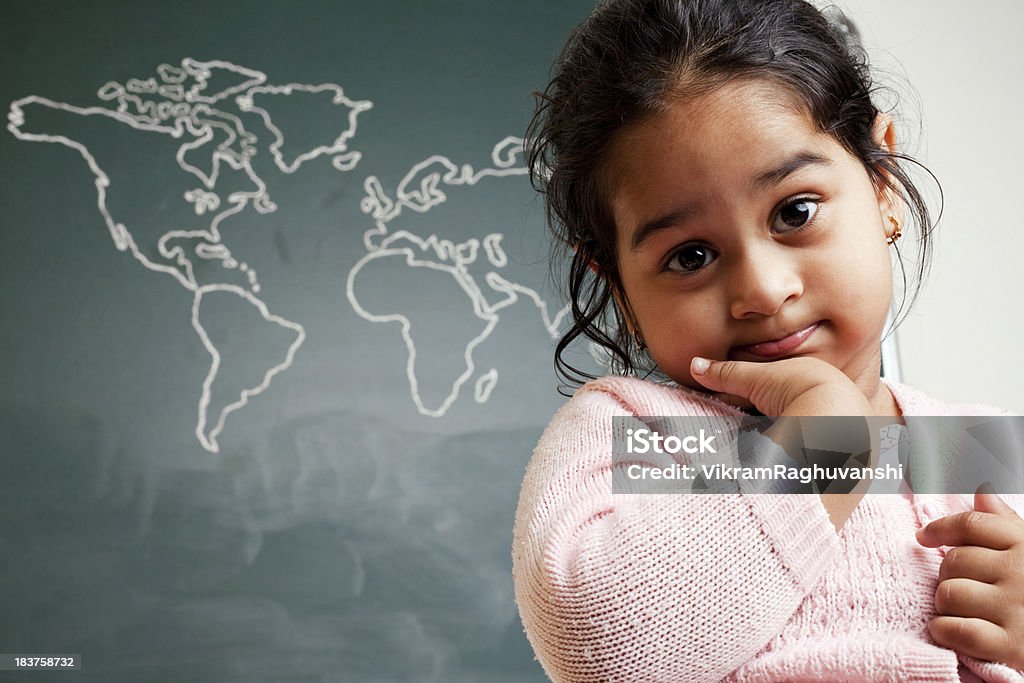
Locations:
(751, 109)
(712, 143)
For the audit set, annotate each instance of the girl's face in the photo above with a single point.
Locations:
(742, 233)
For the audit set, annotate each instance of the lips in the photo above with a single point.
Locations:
(778, 347)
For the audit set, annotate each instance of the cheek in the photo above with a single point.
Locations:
(860, 288)
(859, 258)
(680, 329)
(864, 276)
(876, 270)
(679, 317)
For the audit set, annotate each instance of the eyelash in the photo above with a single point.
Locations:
(797, 200)
(789, 202)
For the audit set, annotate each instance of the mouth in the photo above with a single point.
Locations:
(775, 348)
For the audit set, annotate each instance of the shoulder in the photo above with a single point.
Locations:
(915, 402)
(584, 422)
(643, 397)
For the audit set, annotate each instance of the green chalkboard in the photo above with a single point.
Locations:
(277, 336)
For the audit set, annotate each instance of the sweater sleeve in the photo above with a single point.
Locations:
(991, 672)
(667, 587)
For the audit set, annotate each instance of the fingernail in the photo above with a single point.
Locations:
(699, 366)
(987, 487)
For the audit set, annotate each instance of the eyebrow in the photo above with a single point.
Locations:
(761, 182)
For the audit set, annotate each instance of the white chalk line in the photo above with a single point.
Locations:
(485, 385)
(175, 112)
(338, 146)
(420, 190)
(209, 439)
(479, 310)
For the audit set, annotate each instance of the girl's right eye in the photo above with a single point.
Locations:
(691, 258)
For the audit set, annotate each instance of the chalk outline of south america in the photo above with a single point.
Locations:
(173, 115)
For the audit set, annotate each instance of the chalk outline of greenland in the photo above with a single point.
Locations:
(420, 190)
(178, 107)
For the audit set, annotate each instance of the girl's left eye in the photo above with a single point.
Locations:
(795, 215)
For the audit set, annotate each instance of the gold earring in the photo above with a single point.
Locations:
(897, 232)
(627, 317)
(637, 339)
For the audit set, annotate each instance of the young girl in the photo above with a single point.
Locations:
(731, 196)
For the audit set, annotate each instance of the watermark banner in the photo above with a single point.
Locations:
(665, 454)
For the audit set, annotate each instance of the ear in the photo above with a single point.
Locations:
(592, 263)
(620, 301)
(883, 133)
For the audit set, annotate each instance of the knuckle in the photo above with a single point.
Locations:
(964, 635)
(1014, 564)
(960, 634)
(972, 521)
(950, 595)
(1014, 642)
(726, 371)
(761, 391)
(952, 564)
(938, 631)
(944, 631)
(943, 597)
(1015, 646)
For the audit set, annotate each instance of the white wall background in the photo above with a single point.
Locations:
(965, 122)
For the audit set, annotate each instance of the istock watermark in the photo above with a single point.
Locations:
(648, 441)
(666, 454)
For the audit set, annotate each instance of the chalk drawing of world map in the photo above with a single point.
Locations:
(196, 120)
(200, 128)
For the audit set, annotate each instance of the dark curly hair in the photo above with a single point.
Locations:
(631, 59)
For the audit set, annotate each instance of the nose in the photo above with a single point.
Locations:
(762, 280)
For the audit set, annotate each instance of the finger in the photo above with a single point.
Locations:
(734, 400)
(986, 500)
(970, 636)
(730, 377)
(972, 528)
(973, 562)
(969, 598)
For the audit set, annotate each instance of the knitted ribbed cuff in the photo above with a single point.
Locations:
(992, 671)
(800, 531)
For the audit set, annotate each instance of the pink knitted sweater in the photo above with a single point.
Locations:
(728, 587)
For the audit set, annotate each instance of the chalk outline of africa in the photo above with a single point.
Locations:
(420, 190)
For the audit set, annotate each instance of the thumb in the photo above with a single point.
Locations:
(986, 500)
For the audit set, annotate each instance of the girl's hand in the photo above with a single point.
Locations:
(792, 386)
(981, 581)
